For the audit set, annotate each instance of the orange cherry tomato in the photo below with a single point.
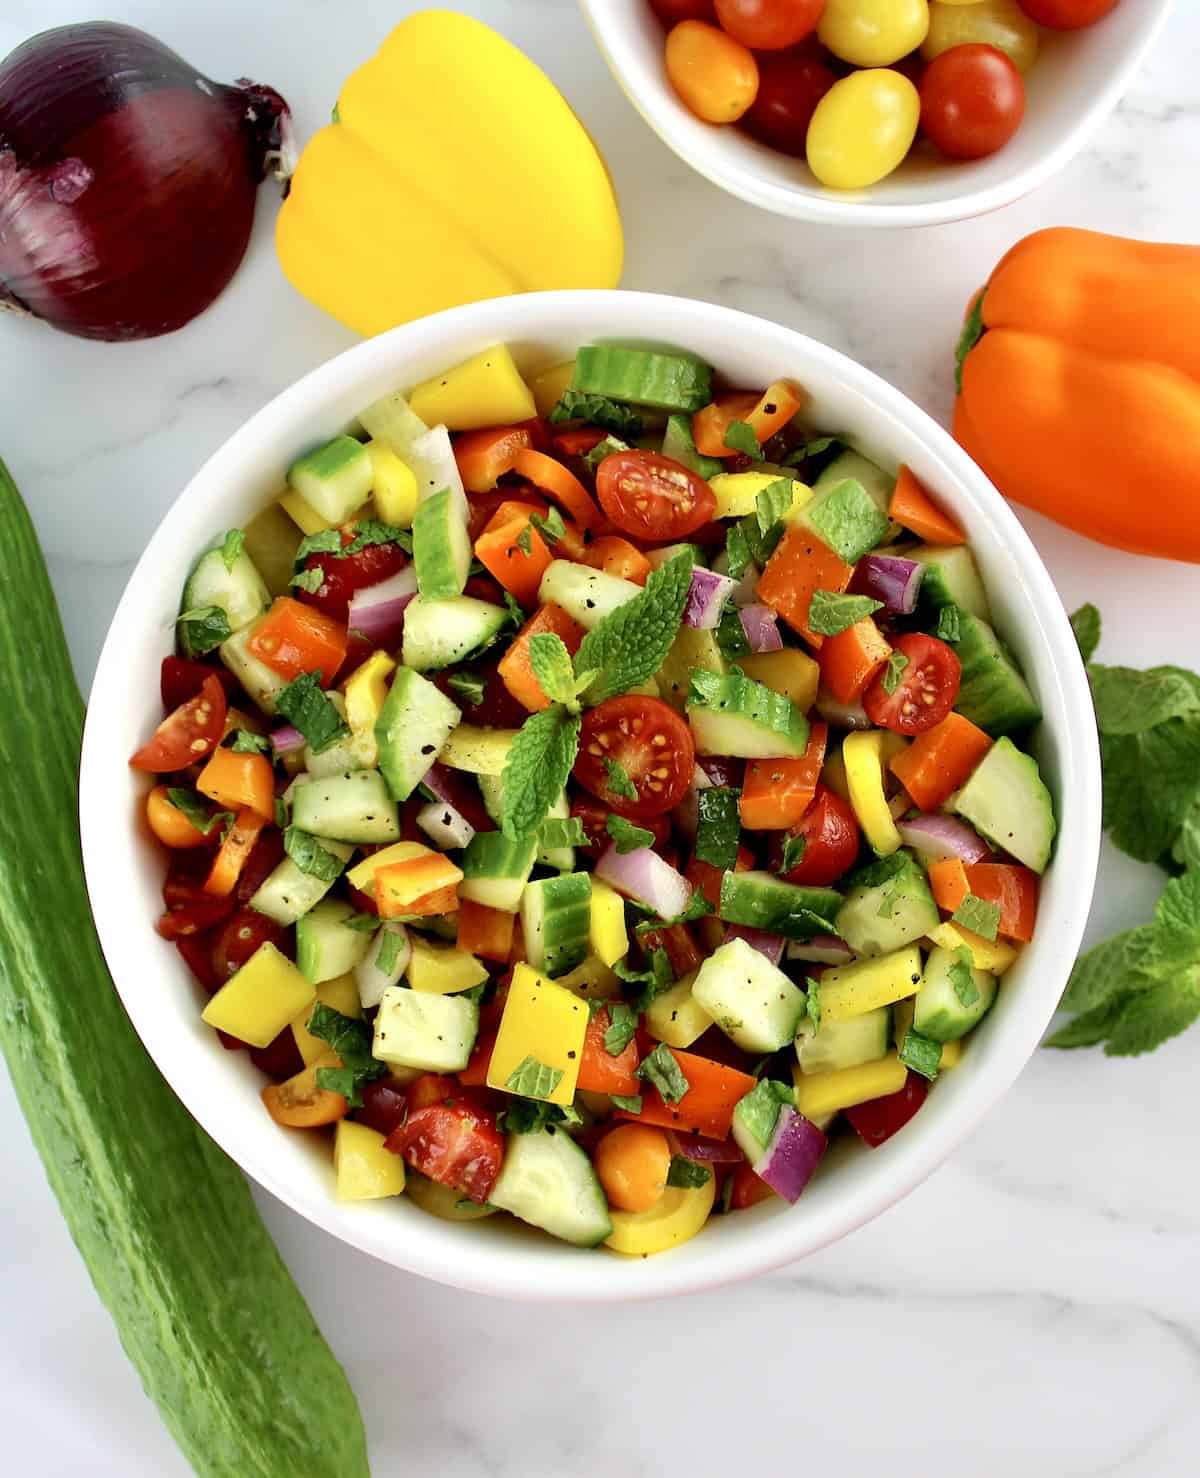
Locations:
(716, 76)
(170, 825)
(632, 1162)
(299, 1103)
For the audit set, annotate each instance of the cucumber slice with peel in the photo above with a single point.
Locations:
(736, 716)
(441, 548)
(556, 920)
(548, 1181)
(239, 591)
(438, 633)
(414, 723)
(335, 479)
(354, 806)
(669, 382)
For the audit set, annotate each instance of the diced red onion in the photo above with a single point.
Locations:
(445, 824)
(287, 740)
(704, 1151)
(770, 945)
(939, 838)
(760, 624)
(892, 580)
(644, 876)
(788, 1162)
(841, 715)
(706, 598)
(821, 949)
(378, 610)
(721, 769)
(745, 592)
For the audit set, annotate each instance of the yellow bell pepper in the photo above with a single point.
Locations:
(543, 1021)
(675, 1016)
(263, 997)
(365, 1171)
(366, 691)
(442, 969)
(485, 390)
(303, 514)
(674, 1218)
(342, 994)
(818, 1094)
(737, 492)
(548, 386)
(992, 955)
(864, 757)
(454, 170)
(362, 875)
(790, 672)
(608, 938)
(393, 485)
(852, 990)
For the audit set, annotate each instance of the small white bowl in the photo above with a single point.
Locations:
(1077, 79)
(124, 871)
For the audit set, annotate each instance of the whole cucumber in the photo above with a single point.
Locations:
(220, 1335)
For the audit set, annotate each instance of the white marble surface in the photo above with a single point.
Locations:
(1035, 1307)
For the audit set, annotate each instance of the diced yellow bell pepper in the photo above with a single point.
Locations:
(477, 750)
(342, 994)
(272, 538)
(951, 1053)
(303, 514)
(790, 672)
(237, 718)
(366, 691)
(593, 980)
(609, 940)
(393, 485)
(675, 1016)
(365, 1171)
(453, 171)
(543, 1021)
(902, 1020)
(737, 492)
(362, 875)
(819, 1094)
(549, 384)
(851, 990)
(485, 390)
(992, 955)
(673, 1219)
(442, 969)
(263, 997)
(863, 756)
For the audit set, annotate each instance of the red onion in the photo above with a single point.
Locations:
(938, 838)
(127, 180)
(788, 1162)
(821, 949)
(720, 769)
(378, 610)
(892, 580)
(706, 598)
(761, 627)
(841, 715)
(647, 879)
(704, 1151)
(287, 740)
(770, 945)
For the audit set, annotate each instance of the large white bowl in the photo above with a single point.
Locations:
(1078, 78)
(124, 872)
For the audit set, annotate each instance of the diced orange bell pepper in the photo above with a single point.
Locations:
(764, 414)
(948, 883)
(801, 565)
(914, 509)
(577, 441)
(233, 852)
(516, 671)
(402, 886)
(484, 456)
(937, 762)
(484, 931)
(777, 793)
(499, 551)
(599, 1070)
(849, 660)
(294, 638)
(1011, 887)
(617, 556)
(707, 1106)
(561, 484)
(237, 781)
(474, 1075)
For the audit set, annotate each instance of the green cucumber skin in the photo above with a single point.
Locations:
(205, 1308)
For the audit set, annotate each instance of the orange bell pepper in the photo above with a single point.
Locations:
(764, 414)
(776, 793)
(516, 672)
(849, 660)
(418, 886)
(484, 456)
(1011, 887)
(474, 1075)
(801, 565)
(484, 931)
(599, 1070)
(914, 509)
(233, 852)
(561, 484)
(293, 638)
(498, 550)
(238, 781)
(617, 556)
(707, 1106)
(937, 762)
(1080, 387)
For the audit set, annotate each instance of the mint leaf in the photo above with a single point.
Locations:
(740, 437)
(979, 916)
(609, 447)
(1186, 848)
(662, 1070)
(1130, 702)
(309, 580)
(686, 1175)
(596, 410)
(363, 923)
(921, 1054)
(962, 977)
(894, 671)
(848, 519)
(308, 709)
(244, 742)
(731, 634)
(737, 551)
(231, 548)
(793, 851)
(623, 1028)
(626, 836)
(1085, 623)
(533, 1079)
(197, 809)
(281, 813)
(772, 504)
(516, 615)
(830, 613)
(350, 1038)
(630, 1102)
(388, 955)
(310, 856)
(539, 763)
(468, 686)
(949, 624)
(619, 782)
(324, 541)
(817, 447)
(525, 539)
(372, 531)
(1151, 783)
(562, 831)
(551, 664)
(528, 1116)
(719, 826)
(551, 528)
(631, 644)
(203, 628)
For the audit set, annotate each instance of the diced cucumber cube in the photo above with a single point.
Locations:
(351, 807)
(750, 999)
(419, 1029)
(414, 723)
(335, 479)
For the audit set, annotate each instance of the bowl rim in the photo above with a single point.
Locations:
(830, 209)
(490, 1267)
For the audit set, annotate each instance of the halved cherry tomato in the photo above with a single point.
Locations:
(267, 855)
(830, 832)
(197, 953)
(594, 814)
(790, 85)
(181, 679)
(683, 953)
(777, 793)
(188, 734)
(649, 742)
(926, 691)
(293, 638)
(496, 709)
(383, 1107)
(455, 1142)
(769, 25)
(561, 484)
(653, 497)
(748, 1189)
(617, 556)
(234, 853)
(299, 1103)
(484, 456)
(876, 1121)
(243, 935)
(171, 826)
(190, 910)
(344, 574)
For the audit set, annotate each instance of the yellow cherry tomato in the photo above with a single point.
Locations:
(632, 1162)
(169, 824)
(873, 33)
(674, 1218)
(716, 76)
(863, 128)
(999, 23)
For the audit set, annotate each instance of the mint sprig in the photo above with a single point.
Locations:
(628, 646)
(539, 762)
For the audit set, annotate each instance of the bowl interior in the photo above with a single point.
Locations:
(1078, 77)
(125, 871)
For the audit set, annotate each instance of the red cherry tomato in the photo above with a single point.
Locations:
(972, 101)
(926, 691)
(594, 814)
(653, 497)
(769, 25)
(187, 735)
(181, 679)
(497, 708)
(262, 861)
(1067, 15)
(190, 910)
(455, 1143)
(650, 743)
(683, 953)
(241, 937)
(344, 574)
(280, 1058)
(878, 1120)
(790, 85)
(197, 952)
(671, 12)
(384, 1106)
(830, 833)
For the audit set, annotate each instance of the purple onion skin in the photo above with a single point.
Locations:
(793, 1155)
(127, 180)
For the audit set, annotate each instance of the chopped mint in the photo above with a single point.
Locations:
(686, 1175)
(817, 447)
(622, 1030)
(740, 437)
(310, 856)
(197, 810)
(324, 541)
(737, 551)
(562, 831)
(534, 1079)
(630, 1102)
(244, 742)
(830, 613)
(921, 1054)
(894, 671)
(350, 1038)
(551, 528)
(848, 520)
(606, 448)
(468, 686)
(731, 634)
(979, 916)
(949, 624)
(364, 923)
(793, 851)
(661, 1068)
(962, 977)
(812, 1002)
(619, 782)
(308, 709)
(718, 828)
(388, 957)
(203, 628)
(308, 580)
(231, 547)
(596, 410)
(373, 531)
(281, 813)
(626, 836)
